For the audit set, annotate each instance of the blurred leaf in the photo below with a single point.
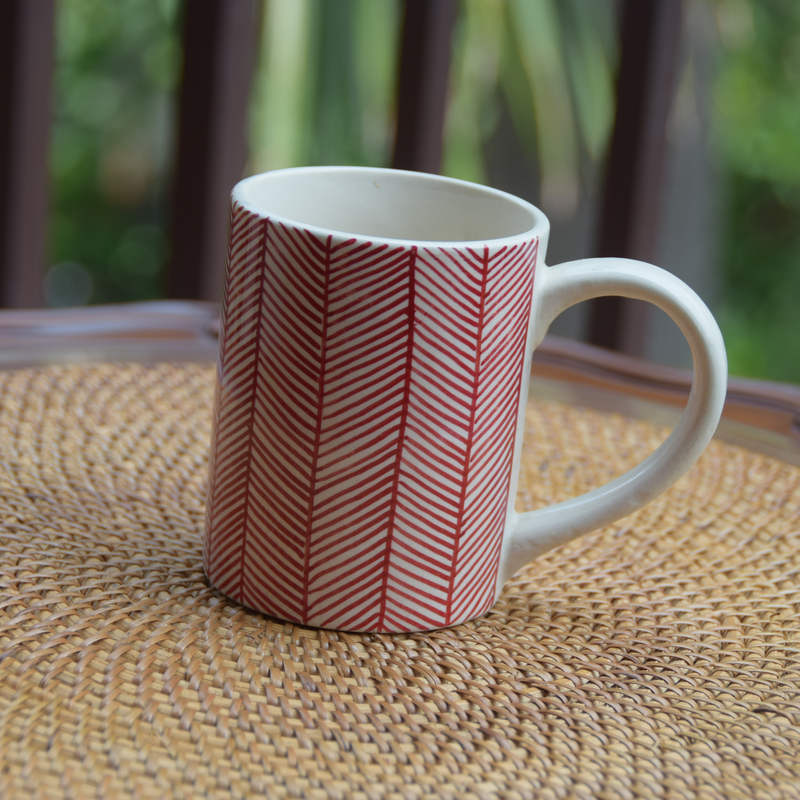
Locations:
(538, 32)
(116, 68)
(517, 91)
(590, 70)
(324, 88)
(471, 114)
(757, 93)
(756, 130)
(280, 105)
(335, 119)
(161, 61)
(377, 26)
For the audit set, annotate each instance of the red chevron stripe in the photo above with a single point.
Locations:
(371, 317)
(387, 561)
(245, 235)
(492, 386)
(364, 426)
(318, 425)
(470, 433)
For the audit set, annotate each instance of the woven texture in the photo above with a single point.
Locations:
(659, 657)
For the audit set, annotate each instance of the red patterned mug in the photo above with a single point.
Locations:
(373, 373)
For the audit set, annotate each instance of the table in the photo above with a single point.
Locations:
(658, 657)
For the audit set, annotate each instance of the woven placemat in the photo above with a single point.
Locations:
(659, 657)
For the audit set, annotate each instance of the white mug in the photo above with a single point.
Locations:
(375, 350)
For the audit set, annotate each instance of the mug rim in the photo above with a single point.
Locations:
(540, 228)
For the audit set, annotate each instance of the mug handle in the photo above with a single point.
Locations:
(534, 532)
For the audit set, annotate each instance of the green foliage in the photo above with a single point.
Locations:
(757, 136)
(116, 69)
(761, 279)
(473, 111)
(324, 93)
(325, 84)
(552, 63)
(757, 93)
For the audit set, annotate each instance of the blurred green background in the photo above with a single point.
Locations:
(531, 105)
(117, 68)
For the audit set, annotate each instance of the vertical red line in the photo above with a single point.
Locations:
(251, 421)
(401, 438)
(210, 551)
(318, 433)
(492, 574)
(467, 455)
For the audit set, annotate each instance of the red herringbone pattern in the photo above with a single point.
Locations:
(473, 311)
(229, 509)
(366, 416)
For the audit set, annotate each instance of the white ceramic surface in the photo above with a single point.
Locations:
(377, 334)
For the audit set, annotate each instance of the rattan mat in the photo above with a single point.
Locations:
(659, 657)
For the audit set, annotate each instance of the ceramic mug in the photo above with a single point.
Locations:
(374, 357)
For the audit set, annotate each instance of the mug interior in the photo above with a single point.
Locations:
(388, 204)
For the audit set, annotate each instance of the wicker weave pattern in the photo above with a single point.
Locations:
(659, 657)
